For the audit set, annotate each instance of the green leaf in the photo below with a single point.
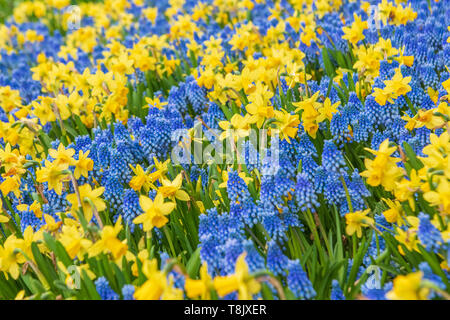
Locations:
(415, 162)
(434, 264)
(59, 251)
(266, 292)
(46, 268)
(327, 63)
(193, 264)
(80, 125)
(90, 287)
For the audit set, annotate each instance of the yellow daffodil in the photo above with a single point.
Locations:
(405, 189)
(200, 288)
(287, 124)
(72, 238)
(356, 220)
(240, 281)
(440, 197)
(83, 165)
(51, 225)
(399, 85)
(11, 184)
(155, 102)
(354, 33)
(10, 158)
(155, 212)
(308, 104)
(10, 258)
(310, 113)
(160, 170)
(383, 95)
(150, 14)
(53, 174)
(238, 127)
(171, 189)
(140, 180)
(259, 111)
(109, 243)
(88, 197)
(62, 156)
(383, 169)
(395, 212)
(327, 110)
(156, 286)
(409, 287)
(29, 237)
(408, 238)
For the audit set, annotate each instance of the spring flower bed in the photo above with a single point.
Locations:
(225, 149)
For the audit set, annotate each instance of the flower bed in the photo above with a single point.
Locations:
(225, 149)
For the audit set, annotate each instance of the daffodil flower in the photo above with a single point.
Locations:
(109, 243)
(155, 212)
(53, 174)
(83, 165)
(240, 281)
(409, 287)
(200, 288)
(86, 192)
(140, 180)
(10, 258)
(171, 189)
(354, 33)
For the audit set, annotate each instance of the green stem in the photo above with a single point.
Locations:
(324, 236)
(35, 269)
(310, 221)
(169, 239)
(347, 195)
(267, 276)
(433, 286)
(410, 105)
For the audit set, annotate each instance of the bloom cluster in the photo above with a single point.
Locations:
(334, 117)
